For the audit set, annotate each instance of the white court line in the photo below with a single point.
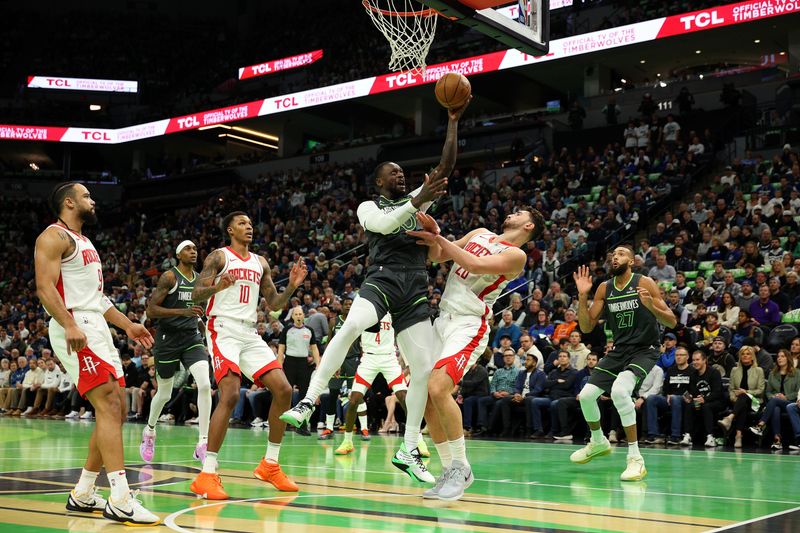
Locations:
(753, 520)
(169, 521)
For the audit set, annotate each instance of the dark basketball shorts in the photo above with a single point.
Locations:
(402, 292)
(172, 348)
(346, 373)
(639, 360)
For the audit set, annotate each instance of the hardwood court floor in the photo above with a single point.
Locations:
(519, 486)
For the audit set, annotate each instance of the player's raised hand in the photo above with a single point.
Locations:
(140, 334)
(426, 238)
(454, 113)
(298, 273)
(433, 187)
(428, 223)
(583, 280)
(225, 281)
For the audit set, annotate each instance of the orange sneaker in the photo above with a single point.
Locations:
(208, 486)
(365, 434)
(326, 434)
(272, 473)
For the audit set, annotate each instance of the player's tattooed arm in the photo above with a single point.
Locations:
(165, 284)
(274, 299)
(205, 287)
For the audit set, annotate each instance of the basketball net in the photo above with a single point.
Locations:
(409, 27)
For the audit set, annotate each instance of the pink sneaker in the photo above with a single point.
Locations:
(200, 451)
(147, 449)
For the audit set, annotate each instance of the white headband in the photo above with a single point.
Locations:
(183, 245)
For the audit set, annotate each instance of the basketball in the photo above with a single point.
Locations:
(453, 90)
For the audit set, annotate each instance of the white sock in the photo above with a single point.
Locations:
(362, 421)
(633, 449)
(330, 420)
(411, 438)
(597, 435)
(348, 436)
(202, 440)
(86, 481)
(445, 455)
(150, 430)
(210, 463)
(459, 450)
(119, 486)
(273, 450)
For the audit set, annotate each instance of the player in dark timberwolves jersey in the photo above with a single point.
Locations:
(178, 341)
(633, 307)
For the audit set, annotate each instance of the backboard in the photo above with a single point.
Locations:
(524, 24)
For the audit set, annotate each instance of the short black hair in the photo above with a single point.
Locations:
(628, 247)
(226, 221)
(538, 221)
(379, 168)
(59, 193)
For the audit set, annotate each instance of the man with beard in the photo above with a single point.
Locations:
(633, 307)
(69, 283)
(178, 341)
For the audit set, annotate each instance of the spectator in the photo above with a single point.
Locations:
(728, 311)
(576, 115)
(474, 386)
(782, 388)
(668, 348)
(778, 296)
(542, 327)
(518, 312)
(529, 384)
(685, 101)
(744, 328)
(718, 354)
(47, 392)
(527, 347)
(662, 271)
(676, 384)
(747, 297)
(611, 111)
(7, 369)
(563, 330)
(560, 383)
(569, 407)
(502, 385)
(746, 387)
(497, 357)
(764, 311)
(510, 328)
(705, 399)
(671, 133)
(577, 350)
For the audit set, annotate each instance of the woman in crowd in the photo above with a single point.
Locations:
(542, 326)
(782, 387)
(745, 327)
(745, 387)
(728, 311)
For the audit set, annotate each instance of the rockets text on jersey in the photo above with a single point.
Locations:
(80, 283)
(380, 341)
(240, 300)
(475, 294)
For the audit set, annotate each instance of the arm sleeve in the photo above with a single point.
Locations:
(373, 219)
(282, 337)
(313, 341)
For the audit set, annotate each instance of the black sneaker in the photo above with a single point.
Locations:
(673, 441)
(303, 430)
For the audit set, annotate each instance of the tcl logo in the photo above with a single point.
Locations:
(188, 122)
(58, 82)
(261, 69)
(96, 136)
(401, 80)
(286, 103)
(701, 20)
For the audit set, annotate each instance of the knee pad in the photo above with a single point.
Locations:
(621, 393)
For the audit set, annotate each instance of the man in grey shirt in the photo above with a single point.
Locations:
(747, 297)
(317, 322)
(662, 271)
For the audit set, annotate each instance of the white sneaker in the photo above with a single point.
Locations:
(562, 437)
(411, 463)
(299, 414)
(612, 436)
(72, 415)
(725, 423)
(89, 502)
(130, 512)
(257, 421)
(687, 440)
(635, 470)
(433, 492)
(711, 442)
(88, 415)
(459, 478)
(192, 422)
(27, 411)
(166, 418)
(590, 451)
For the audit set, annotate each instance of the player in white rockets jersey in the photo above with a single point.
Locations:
(69, 283)
(378, 356)
(483, 264)
(232, 281)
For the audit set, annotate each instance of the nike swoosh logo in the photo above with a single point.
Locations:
(129, 515)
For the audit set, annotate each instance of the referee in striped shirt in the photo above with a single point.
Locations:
(295, 346)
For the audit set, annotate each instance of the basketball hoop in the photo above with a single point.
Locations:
(409, 30)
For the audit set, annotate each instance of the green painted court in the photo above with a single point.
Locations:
(519, 486)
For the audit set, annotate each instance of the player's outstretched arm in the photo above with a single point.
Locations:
(450, 149)
(274, 299)
(165, 284)
(51, 246)
(205, 287)
(651, 298)
(588, 316)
